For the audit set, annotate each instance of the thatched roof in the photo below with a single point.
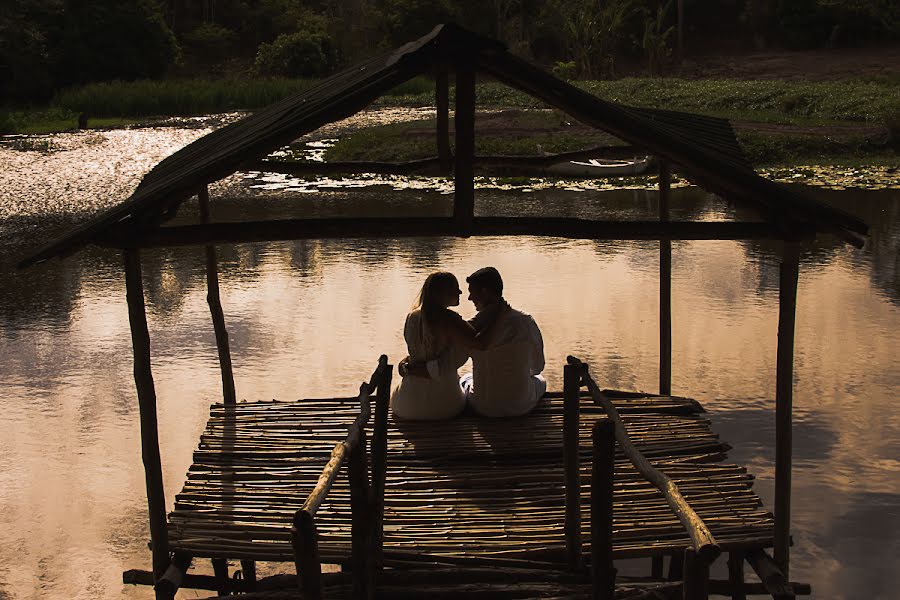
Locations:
(702, 148)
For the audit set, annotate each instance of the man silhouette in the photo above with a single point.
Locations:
(506, 379)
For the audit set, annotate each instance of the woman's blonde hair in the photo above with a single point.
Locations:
(429, 299)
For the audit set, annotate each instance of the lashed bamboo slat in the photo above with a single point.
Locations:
(493, 495)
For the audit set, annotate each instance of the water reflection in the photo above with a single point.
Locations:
(308, 318)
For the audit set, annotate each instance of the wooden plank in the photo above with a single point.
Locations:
(787, 310)
(146, 392)
(215, 307)
(376, 227)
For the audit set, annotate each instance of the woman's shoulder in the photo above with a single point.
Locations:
(447, 316)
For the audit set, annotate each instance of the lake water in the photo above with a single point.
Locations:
(310, 318)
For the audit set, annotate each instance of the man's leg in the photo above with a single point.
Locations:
(467, 383)
(540, 386)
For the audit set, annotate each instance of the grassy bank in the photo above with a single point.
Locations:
(525, 133)
(762, 101)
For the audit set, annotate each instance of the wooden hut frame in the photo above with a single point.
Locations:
(702, 149)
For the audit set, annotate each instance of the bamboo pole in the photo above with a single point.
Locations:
(215, 306)
(571, 469)
(787, 309)
(603, 572)
(306, 555)
(379, 459)
(464, 126)
(665, 285)
(703, 541)
(442, 104)
(398, 227)
(143, 379)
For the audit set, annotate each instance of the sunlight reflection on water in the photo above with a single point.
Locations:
(309, 318)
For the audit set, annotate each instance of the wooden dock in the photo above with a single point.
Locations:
(466, 500)
(471, 487)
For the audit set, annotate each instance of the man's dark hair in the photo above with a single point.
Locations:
(488, 278)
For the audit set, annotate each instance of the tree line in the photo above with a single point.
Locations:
(46, 45)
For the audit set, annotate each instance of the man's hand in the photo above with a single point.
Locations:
(406, 368)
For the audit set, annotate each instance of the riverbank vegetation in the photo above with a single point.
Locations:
(763, 101)
(49, 45)
(531, 132)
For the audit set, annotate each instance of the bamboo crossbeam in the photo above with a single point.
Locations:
(704, 542)
(401, 227)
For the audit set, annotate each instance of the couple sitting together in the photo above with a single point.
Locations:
(505, 345)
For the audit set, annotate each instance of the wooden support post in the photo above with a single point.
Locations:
(787, 309)
(656, 567)
(143, 380)
(304, 539)
(665, 286)
(571, 469)
(167, 585)
(248, 573)
(220, 569)
(696, 576)
(603, 572)
(773, 579)
(736, 575)
(379, 463)
(361, 522)
(215, 307)
(464, 126)
(676, 566)
(442, 104)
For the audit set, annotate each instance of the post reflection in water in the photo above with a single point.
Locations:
(310, 318)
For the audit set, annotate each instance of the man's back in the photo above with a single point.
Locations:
(504, 373)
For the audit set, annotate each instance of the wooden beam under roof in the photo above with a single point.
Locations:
(298, 229)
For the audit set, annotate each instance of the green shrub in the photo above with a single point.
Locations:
(301, 54)
(109, 39)
(211, 41)
(565, 70)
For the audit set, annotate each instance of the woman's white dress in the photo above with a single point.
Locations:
(437, 397)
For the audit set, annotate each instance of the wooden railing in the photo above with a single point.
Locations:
(366, 500)
(704, 548)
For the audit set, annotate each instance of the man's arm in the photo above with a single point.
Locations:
(416, 369)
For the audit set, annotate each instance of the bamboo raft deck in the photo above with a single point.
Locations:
(472, 491)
